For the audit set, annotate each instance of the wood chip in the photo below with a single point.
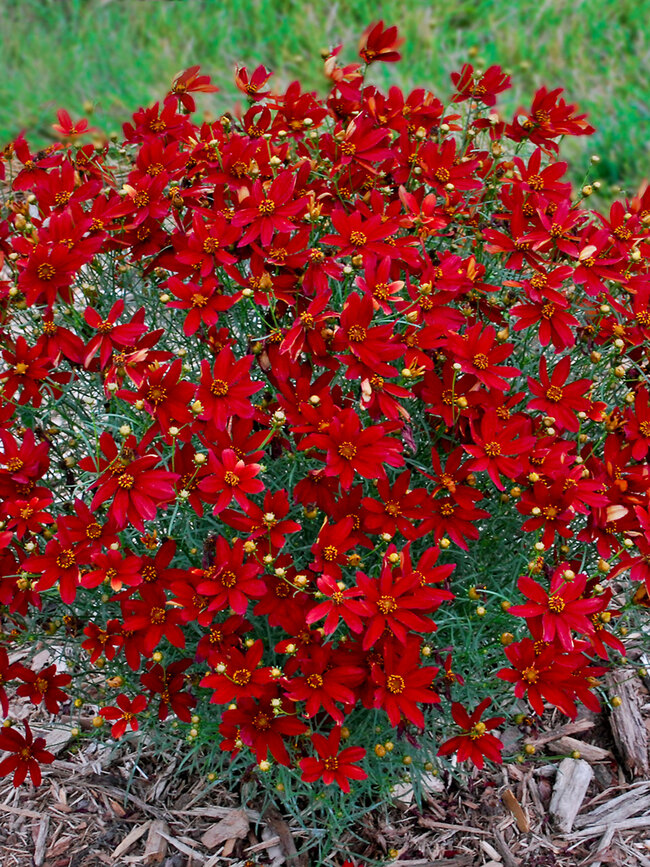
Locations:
(572, 728)
(278, 826)
(132, 837)
(156, 846)
(234, 826)
(637, 800)
(41, 841)
(514, 806)
(588, 752)
(628, 728)
(571, 783)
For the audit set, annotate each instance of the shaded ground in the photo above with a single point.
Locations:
(92, 810)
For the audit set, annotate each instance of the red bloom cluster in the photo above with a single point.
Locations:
(267, 401)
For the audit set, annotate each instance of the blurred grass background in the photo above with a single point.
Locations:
(120, 54)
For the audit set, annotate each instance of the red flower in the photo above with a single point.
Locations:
(138, 490)
(401, 683)
(231, 582)
(230, 477)
(341, 603)
(8, 671)
(103, 641)
(28, 755)
(380, 43)
(351, 448)
(500, 448)
(224, 392)
(539, 675)
(237, 675)
(267, 211)
(558, 399)
(322, 683)
(251, 85)
(262, 726)
(125, 714)
(393, 599)
(188, 82)
(561, 608)
(476, 353)
(482, 88)
(475, 742)
(331, 765)
(169, 684)
(153, 619)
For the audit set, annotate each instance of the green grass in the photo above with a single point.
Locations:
(119, 54)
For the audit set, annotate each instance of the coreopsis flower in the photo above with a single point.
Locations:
(393, 599)
(478, 353)
(67, 128)
(57, 564)
(321, 683)
(480, 87)
(164, 396)
(558, 399)
(231, 582)
(266, 522)
(555, 323)
(189, 81)
(28, 372)
(125, 714)
(637, 427)
(265, 211)
(116, 568)
(401, 683)
(375, 346)
(27, 516)
(169, 683)
(380, 43)
(238, 675)
(352, 449)
(153, 618)
(104, 641)
(27, 754)
(251, 85)
(397, 508)
(548, 117)
(499, 447)
(112, 336)
(475, 743)
(229, 477)
(44, 686)
(330, 765)
(262, 724)
(225, 390)
(341, 603)
(539, 676)
(138, 490)
(560, 609)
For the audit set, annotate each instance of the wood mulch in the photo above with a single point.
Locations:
(582, 798)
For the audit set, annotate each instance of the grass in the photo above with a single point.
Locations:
(119, 54)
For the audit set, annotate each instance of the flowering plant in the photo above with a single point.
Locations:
(295, 406)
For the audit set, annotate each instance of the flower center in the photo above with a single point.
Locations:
(156, 394)
(492, 449)
(228, 579)
(478, 730)
(556, 604)
(315, 681)
(358, 239)
(219, 387)
(395, 684)
(66, 559)
(386, 604)
(158, 616)
(331, 763)
(357, 333)
(242, 676)
(347, 450)
(530, 674)
(554, 393)
(126, 481)
(267, 207)
(481, 361)
(45, 271)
